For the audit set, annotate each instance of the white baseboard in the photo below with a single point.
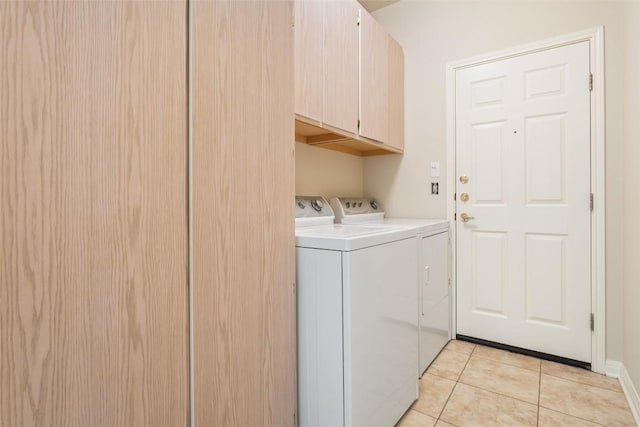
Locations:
(612, 368)
(630, 392)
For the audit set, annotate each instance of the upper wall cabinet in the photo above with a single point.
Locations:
(396, 94)
(374, 80)
(309, 58)
(349, 79)
(341, 65)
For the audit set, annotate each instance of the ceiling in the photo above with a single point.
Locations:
(372, 5)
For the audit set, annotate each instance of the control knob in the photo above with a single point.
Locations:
(317, 205)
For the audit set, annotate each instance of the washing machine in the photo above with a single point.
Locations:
(434, 284)
(357, 313)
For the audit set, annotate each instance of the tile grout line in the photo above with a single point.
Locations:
(498, 394)
(454, 387)
(574, 416)
(539, 391)
(493, 391)
(508, 364)
(582, 383)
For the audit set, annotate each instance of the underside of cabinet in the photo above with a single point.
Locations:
(312, 133)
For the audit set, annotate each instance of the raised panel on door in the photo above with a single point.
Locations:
(374, 80)
(396, 95)
(243, 240)
(340, 108)
(308, 58)
(93, 217)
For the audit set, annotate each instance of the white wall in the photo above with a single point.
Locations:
(327, 173)
(434, 33)
(631, 291)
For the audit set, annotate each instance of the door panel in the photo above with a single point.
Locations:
(487, 165)
(374, 80)
(545, 148)
(488, 274)
(308, 57)
(396, 94)
(340, 108)
(523, 140)
(244, 300)
(546, 283)
(93, 220)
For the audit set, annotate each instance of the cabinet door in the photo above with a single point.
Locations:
(93, 221)
(308, 58)
(435, 302)
(396, 94)
(341, 65)
(374, 80)
(244, 313)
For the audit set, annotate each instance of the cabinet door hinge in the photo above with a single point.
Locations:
(593, 322)
(590, 82)
(591, 201)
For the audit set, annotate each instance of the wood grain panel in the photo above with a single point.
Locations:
(396, 94)
(93, 297)
(243, 236)
(374, 80)
(308, 57)
(341, 65)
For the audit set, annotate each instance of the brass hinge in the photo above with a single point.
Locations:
(590, 82)
(591, 201)
(592, 322)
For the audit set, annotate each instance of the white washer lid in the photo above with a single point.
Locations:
(350, 237)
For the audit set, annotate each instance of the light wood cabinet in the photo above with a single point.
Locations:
(341, 66)
(374, 80)
(363, 80)
(243, 235)
(309, 59)
(97, 197)
(396, 94)
(93, 235)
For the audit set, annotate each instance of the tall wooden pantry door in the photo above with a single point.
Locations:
(243, 232)
(93, 260)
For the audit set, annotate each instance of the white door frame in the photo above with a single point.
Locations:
(595, 37)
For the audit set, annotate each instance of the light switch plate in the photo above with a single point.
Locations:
(435, 169)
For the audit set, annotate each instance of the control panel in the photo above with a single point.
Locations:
(356, 209)
(312, 207)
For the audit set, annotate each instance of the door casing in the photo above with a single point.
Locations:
(595, 37)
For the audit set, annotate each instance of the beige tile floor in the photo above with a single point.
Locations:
(473, 385)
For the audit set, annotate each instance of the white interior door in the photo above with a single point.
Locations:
(523, 144)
